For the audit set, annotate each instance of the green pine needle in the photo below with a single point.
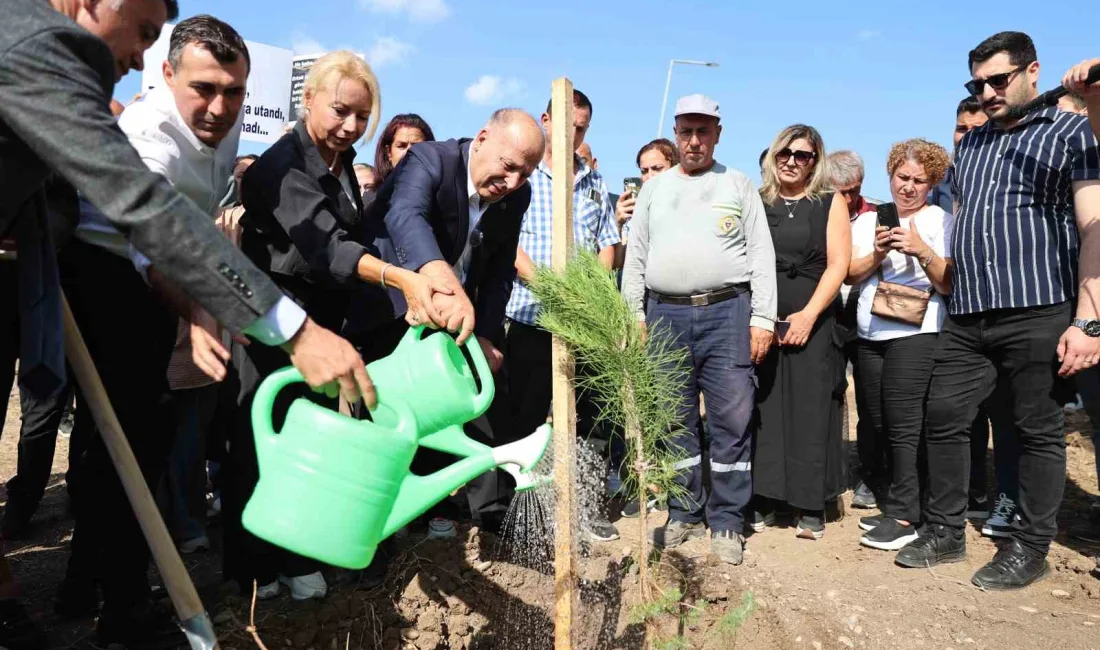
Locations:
(631, 377)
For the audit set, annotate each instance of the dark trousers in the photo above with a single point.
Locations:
(894, 376)
(1017, 348)
(247, 557)
(872, 445)
(524, 392)
(995, 417)
(37, 443)
(129, 334)
(40, 415)
(9, 329)
(182, 493)
(1088, 384)
(718, 363)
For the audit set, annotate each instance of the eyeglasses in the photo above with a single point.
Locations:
(801, 158)
(995, 81)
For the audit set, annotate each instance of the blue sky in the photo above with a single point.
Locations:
(866, 74)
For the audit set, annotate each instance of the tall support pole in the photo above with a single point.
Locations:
(565, 411)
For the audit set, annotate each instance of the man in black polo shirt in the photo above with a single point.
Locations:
(1026, 247)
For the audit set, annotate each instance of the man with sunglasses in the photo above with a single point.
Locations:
(1023, 312)
(701, 247)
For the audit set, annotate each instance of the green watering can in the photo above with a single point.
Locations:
(431, 374)
(332, 487)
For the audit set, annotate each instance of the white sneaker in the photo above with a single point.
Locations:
(267, 592)
(306, 587)
(201, 543)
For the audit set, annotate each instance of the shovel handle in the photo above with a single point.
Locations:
(181, 590)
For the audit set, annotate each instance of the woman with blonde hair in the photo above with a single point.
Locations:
(908, 255)
(799, 457)
(303, 226)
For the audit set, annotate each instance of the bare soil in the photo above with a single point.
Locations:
(458, 594)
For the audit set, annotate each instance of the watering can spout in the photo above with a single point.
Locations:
(418, 493)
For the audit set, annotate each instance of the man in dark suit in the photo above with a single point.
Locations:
(458, 206)
(61, 61)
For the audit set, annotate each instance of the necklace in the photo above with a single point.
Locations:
(792, 206)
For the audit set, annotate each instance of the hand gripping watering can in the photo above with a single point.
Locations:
(332, 487)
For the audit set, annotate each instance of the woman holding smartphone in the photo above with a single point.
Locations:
(902, 254)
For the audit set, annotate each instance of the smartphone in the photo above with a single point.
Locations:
(781, 328)
(888, 216)
(632, 185)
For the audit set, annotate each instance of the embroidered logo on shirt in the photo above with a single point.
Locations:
(729, 218)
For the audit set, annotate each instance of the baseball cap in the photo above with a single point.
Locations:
(697, 105)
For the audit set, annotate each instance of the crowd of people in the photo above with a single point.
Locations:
(967, 300)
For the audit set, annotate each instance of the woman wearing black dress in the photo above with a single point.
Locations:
(799, 453)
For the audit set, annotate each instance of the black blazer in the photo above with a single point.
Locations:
(422, 214)
(302, 228)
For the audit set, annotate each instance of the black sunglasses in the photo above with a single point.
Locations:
(996, 81)
(801, 158)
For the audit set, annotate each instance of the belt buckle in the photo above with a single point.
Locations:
(700, 300)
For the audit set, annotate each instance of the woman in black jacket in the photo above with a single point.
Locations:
(303, 226)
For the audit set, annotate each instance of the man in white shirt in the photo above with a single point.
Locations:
(188, 132)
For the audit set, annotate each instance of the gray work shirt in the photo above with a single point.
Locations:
(696, 234)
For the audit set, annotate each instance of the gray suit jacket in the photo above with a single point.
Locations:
(56, 80)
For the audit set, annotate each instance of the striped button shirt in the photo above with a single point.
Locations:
(593, 228)
(1015, 240)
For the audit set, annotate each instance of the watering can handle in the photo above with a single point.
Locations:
(483, 399)
(265, 398)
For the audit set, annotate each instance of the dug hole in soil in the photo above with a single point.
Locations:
(460, 594)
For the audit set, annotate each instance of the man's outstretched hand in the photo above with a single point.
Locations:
(330, 364)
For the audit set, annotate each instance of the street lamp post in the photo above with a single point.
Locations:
(668, 83)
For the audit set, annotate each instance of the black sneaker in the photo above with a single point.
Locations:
(76, 599)
(977, 507)
(601, 530)
(17, 631)
(870, 522)
(759, 521)
(863, 497)
(631, 510)
(1088, 530)
(811, 525)
(145, 626)
(890, 535)
(936, 544)
(1013, 567)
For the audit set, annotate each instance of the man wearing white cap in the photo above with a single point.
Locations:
(700, 246)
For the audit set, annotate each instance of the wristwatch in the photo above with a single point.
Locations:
(1089, 327)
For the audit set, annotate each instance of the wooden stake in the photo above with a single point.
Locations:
(565, 411)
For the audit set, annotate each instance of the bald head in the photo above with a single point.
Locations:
(585, 153)
(505, 153)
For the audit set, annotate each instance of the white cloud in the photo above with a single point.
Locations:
(387, 50)
(868, 34)
(491, 90)
(422, 11)
(303, 43)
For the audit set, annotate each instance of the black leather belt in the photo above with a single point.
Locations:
(702, 299)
